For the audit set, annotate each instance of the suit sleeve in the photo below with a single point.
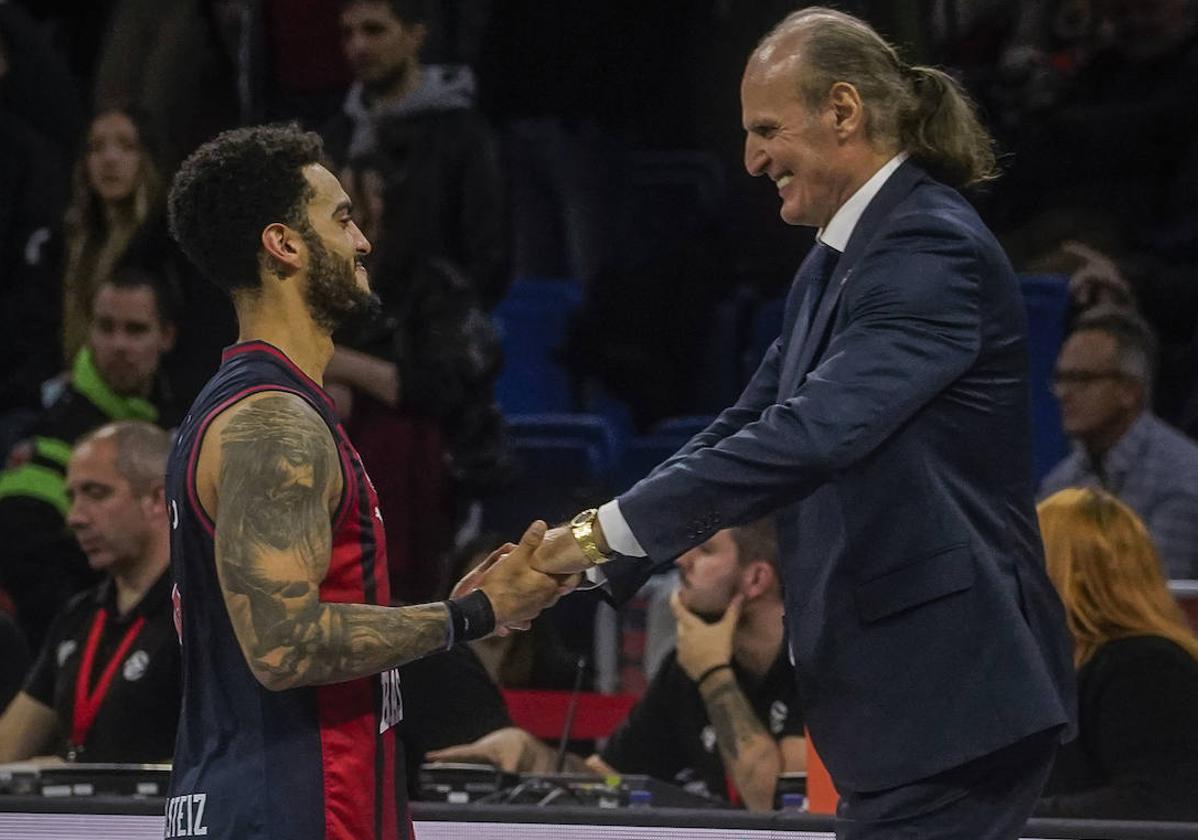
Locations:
(913, 328)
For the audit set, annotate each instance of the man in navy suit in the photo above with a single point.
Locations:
(888, 429)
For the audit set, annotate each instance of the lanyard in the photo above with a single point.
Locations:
(87, 703)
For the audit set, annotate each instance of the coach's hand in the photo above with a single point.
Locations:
(559, 553)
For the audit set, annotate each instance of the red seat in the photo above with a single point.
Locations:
(543, 713)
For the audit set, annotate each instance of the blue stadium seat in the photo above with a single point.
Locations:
(641, 456)
(763, 331)
(1046, 297)
(532, 321)
(718, 379)
(555, 477)
(587, 429)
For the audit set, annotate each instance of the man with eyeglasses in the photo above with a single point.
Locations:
(1103, 381)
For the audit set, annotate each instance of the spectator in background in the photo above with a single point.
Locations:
(1103, 380)
(414, 384)
(722, 716)
(180, 62)
(1136, 755)
(420, 376)
(38, 87)
(117, 216)
(1113, 160)
(420, 121)
(115, 377)
(118, 637)
(117, 188)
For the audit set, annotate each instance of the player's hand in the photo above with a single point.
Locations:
(518, 593)
(702, 646)
(471, 580)
(510, 749)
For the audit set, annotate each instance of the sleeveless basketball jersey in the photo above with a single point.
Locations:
(310, 763)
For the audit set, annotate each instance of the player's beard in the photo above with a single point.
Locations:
(333, 295)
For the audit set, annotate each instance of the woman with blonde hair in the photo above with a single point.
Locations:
(116, 190)
(1136, 755)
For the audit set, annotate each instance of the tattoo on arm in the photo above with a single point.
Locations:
(736, 725)
(279, 470)
(751, 755)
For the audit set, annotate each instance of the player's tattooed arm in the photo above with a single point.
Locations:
(277, 484)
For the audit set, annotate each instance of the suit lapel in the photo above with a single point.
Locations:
(798, 326)
(800, 356)
(814, 337)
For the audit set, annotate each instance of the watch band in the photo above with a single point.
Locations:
(582, 527)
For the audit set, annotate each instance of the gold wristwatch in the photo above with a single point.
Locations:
(582, 527)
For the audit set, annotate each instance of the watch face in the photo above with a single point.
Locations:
(582, 518)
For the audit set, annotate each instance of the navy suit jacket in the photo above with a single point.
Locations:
(893, 441)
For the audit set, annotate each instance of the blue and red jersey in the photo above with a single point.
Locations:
(310, 763)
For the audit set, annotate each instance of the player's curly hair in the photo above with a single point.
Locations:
(231, 188)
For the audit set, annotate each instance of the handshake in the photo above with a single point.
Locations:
(522, 580)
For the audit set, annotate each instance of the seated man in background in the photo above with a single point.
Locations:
(115, 377)
(106, 685)
(1103, 380)
(722, 715)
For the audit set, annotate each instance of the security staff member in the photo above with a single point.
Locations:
(106, 684)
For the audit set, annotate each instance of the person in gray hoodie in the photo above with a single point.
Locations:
(414, 381)
(419, 123)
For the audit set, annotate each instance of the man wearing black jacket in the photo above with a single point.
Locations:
(414, 382)
(419, 122)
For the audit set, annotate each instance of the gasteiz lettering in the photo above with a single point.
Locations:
(185, 815)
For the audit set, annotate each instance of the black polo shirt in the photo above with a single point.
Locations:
(139, 713)
(669, 736)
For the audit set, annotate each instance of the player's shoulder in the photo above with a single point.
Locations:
(268, 419)
(271, 413)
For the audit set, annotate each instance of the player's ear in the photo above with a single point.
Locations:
(282, 249)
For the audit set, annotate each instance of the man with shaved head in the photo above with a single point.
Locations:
(106, 684)
(888, 431)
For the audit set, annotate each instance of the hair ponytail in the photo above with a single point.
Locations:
(943, 131)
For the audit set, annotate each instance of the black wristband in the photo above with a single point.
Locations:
(470, 617)
(710, 671)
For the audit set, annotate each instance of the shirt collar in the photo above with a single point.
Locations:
(156, 598)
(837, 232)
